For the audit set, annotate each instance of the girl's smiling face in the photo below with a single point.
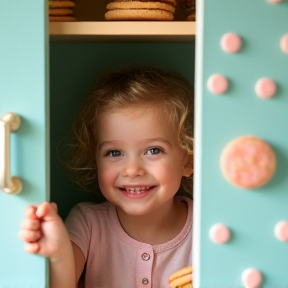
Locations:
(140, 162)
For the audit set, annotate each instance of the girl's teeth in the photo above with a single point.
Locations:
(137, 190)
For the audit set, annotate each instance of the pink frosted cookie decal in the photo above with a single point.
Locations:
(219, 233)
(251, 278)
(281, 231)
(248, 162)
(231, 43)
(284, 43)
(217, 84)
(265, 88)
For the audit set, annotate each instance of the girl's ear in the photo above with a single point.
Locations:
(188, 166)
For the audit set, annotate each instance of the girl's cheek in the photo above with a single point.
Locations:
(167, 170)
(162, 171)
(106, 172)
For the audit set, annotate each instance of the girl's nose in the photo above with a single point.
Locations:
(133, 169)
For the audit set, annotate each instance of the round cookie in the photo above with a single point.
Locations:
(62, 18)
(61, 4)
(248, 162)
(60, 12)
(191, 17)
(181, 278)
(139, 14)
(140, 5)
(172, 2)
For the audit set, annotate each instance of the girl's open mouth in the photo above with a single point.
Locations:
(136, 190)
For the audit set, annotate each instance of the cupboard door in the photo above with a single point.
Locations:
(246, 43)
(23, 91)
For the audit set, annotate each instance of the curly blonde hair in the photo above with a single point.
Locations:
(137, 86)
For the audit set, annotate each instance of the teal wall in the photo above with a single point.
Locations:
(74, 67)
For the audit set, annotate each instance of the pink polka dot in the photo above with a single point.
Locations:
(251, 278)
(281, 231)
(231, 43)
(219, 233)
(265, 88)
(274, 1)
(284, 43)
(217, 84)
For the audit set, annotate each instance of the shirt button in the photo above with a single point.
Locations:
(145, 281)
(145, 256)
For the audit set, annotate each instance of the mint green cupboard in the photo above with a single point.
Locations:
(23, 91)
(44, 80)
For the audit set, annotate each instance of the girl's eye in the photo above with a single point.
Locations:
(154, 151)
(114, 153)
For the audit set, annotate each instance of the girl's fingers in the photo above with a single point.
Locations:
(30, 224)
(32, 247)
(54, 205)
(30, 212)
(30, 236)
(47, 211)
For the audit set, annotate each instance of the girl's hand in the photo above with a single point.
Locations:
(43, 231)
(182, 278)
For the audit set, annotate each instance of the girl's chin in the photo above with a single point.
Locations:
(134, 209)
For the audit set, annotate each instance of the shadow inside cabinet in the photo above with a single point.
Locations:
(74, 69)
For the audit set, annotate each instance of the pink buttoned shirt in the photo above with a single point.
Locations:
(115, 260)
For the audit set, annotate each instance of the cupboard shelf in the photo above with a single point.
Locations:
(123, 31)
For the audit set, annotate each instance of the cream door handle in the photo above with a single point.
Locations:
(8, 123)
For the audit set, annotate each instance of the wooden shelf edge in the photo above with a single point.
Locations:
(122, 31)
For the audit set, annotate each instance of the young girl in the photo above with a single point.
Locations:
(134, 137)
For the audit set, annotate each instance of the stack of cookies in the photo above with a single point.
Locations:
(61, 10)
(182, 278)
(141, 10)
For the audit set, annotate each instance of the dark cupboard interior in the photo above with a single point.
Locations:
(74, 67)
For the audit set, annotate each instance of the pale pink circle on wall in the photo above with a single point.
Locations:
(274, 1)
(219, 233)
(230, 43)
(265, 88)
(217, 84)
(251, 278)
(281, 231)
(284, 43)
